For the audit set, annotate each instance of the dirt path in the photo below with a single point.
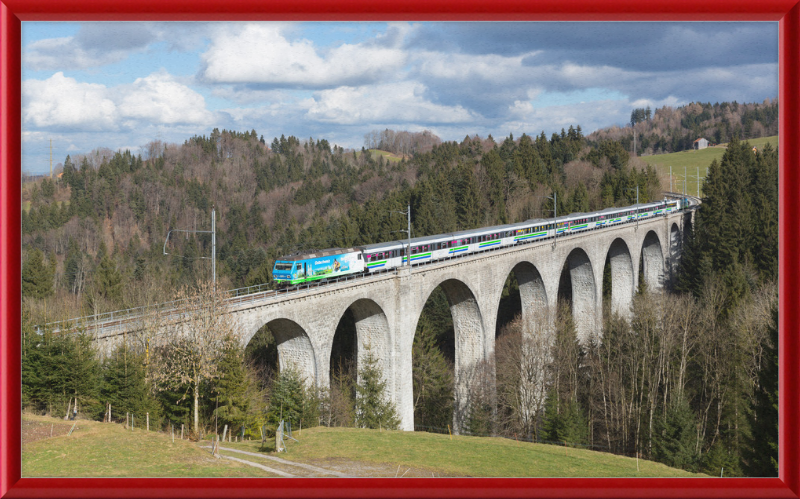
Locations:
(337, 467)
(308, 467)
(278, 466)
(260, 466)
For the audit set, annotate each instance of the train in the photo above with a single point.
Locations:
(319, 266)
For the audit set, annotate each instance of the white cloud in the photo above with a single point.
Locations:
(63, 102)
(520, 109)
(393, 102)
(469, 67)
(261, 54)
(159, 98)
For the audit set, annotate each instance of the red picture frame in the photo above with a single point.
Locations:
(786, 12)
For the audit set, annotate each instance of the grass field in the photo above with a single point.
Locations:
(691, 161)
(108, 450)
(387, 156)
(428, 454)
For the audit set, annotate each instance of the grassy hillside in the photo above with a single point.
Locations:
(443, 455)
(692, 160)
(108, 450)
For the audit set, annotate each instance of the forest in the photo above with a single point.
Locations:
(690, 380)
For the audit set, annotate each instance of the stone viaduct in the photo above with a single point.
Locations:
(386, 307)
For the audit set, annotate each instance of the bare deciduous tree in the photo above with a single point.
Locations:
(187, 352)
(522, 359)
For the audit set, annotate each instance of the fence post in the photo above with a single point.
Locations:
(148, 421)
(181, 431)
(127, 415)
(224, 432)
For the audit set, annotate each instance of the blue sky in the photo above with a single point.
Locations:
(122, 85)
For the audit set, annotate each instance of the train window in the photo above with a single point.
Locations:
(359, 256)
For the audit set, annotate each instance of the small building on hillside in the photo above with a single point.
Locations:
(700, 143)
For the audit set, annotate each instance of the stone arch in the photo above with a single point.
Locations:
(584, 294)
(294, 349)
(536, 337)
(653, 262)
(622, 277)
(533, 296)
(372, 332)
(469, 341)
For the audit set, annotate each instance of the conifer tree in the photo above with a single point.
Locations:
(125, 384)
(373, 407)
(286, 399)
(108, 280)
(764, 220)
(37, 276)
(674, 436)
(468, 198)
(564, 422)
(762, 454)
(229, 392)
